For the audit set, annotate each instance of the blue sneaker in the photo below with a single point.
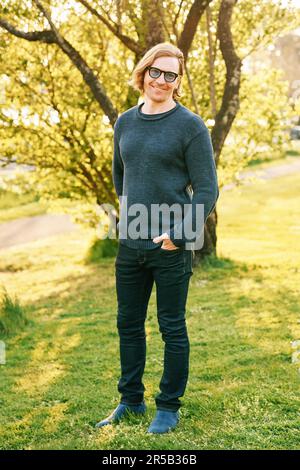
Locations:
(164, 421)
(121, 411)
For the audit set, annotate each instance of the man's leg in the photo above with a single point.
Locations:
(134, 284)
(172, 276)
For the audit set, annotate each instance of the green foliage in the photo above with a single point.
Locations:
(106, 248)
(50, 119)
(12, 317)
(261, 130)
(10, 199)
(14, 205)
(48, 116)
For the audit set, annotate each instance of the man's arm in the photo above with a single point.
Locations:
(117, 165)
(199, 157)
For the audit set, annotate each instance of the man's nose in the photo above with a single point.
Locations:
(160, 80)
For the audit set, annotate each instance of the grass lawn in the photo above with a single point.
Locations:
(243, 312)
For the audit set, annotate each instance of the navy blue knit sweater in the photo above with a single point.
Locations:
(163, 158)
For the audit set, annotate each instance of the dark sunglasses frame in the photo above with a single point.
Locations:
(162, 71)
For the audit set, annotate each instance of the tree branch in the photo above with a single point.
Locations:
(87, 73)
(190, 25)
(230, 100)
(46, 36)
(127, 41)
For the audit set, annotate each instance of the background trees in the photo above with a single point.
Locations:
(64, 78)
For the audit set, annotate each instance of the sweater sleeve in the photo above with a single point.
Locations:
(199, 158)
(117, 165)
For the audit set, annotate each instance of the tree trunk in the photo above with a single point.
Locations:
(210, 239)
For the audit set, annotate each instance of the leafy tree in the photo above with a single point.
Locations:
(65, 70)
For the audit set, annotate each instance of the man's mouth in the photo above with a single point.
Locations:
(159, 89)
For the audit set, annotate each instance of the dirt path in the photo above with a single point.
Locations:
(29, 229)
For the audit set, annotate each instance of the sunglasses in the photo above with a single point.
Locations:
(169, 77)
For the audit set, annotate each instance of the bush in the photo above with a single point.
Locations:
(106, 248)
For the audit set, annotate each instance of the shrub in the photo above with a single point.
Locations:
(104, 248)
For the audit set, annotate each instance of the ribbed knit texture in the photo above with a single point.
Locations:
(164, 158)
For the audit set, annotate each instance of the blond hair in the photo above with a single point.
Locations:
(160, 50)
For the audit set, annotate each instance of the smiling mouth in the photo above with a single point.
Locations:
(159, 89)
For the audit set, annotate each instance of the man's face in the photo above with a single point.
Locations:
(157, 89)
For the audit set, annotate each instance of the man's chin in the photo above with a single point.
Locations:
(156, 99)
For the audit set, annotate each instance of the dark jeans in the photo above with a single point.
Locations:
(136, 270)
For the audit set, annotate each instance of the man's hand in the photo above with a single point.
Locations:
(167, 243)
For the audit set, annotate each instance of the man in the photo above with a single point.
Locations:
(160, 149)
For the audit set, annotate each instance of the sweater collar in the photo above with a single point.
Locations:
(156, 116)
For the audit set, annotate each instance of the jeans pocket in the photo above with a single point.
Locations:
(176, 250)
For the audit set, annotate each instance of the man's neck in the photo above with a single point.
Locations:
(150, 107)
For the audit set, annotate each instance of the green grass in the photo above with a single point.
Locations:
(14, 206)
(12, 317)
(61, 371)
